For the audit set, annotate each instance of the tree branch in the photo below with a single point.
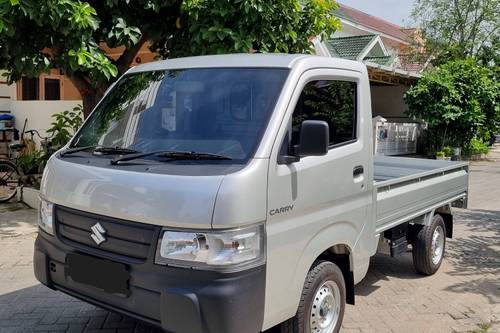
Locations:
(82, 84)
(475, 27)
(90, 95)
(125, 60)
(488, 35)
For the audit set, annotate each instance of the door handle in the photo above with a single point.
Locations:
(358, 171)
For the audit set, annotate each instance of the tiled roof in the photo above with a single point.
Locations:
(386, 61)
(349, 47)
(413, 62)
(373, 22)
(352, 47)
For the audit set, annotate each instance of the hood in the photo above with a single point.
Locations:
(159, 199)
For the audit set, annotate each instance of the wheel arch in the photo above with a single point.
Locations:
(334, 244)
(341, 255)
(426, 219)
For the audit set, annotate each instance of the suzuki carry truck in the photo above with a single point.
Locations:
(230, 194)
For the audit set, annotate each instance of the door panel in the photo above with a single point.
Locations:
(310, 198)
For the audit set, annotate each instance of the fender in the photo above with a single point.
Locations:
(339, 233)
(283, 299)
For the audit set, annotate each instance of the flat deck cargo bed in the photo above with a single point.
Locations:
(407, 188)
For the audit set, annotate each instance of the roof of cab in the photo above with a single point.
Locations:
(275, 60)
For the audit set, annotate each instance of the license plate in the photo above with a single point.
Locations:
(103, 274)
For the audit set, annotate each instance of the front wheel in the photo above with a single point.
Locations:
(9, 180)
(428, 246)
(322, 305)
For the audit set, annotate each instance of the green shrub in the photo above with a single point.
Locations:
(30, 163)
(440, 154)
(477, 146)
(448, 151)
(458, 101)
(65, 124)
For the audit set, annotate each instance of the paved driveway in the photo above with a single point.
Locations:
(464, 296)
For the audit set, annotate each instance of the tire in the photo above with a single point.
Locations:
(325, 279)
(429, 245)
(9, 180)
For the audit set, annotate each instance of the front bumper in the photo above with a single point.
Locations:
(176, 299)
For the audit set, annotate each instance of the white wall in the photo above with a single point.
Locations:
(4, 102)
(38, 113)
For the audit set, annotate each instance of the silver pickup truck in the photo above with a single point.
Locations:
(235, 193)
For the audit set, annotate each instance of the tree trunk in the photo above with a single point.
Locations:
(127, 57)
(90, 100)
(90, 95)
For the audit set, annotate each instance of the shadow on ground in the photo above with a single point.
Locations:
(475, 258)
(383, 267)
(16, 219)
(38, 308)
(477, 255)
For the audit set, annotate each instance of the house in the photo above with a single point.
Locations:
(388, 51)
(395, 60)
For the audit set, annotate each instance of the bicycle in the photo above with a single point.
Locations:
(11, 175)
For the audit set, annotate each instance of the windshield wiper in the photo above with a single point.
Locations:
(114, 150)
(74, 150)
(172, 154)
(99, 150)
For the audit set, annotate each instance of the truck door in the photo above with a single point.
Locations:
(318, 201)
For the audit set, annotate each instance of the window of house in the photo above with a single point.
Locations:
(330, 101)
(52, 89)
(30, 89)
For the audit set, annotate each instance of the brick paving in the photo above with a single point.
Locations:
(464, 296)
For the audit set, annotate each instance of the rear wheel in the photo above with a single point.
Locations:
(428, 246)
(9, 180)
(322, 305)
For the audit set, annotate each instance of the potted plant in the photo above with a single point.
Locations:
(440, 155)
(448, 153)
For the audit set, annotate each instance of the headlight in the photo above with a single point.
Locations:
(231, 250)
(45, 216)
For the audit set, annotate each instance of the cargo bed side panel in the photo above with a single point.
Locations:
(398, 201)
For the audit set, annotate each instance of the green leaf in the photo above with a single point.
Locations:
(113, 70)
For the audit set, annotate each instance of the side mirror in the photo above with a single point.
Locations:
(314, 141)
(314, 138)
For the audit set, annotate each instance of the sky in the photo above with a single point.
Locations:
(395, 11)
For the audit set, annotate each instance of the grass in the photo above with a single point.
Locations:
(483, 328)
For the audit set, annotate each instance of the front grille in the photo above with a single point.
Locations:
(124, 238)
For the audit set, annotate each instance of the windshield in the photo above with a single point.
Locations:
(219, 111)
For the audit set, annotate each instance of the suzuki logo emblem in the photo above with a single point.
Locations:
(98, 233)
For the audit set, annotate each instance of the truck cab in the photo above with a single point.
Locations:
(234, 193)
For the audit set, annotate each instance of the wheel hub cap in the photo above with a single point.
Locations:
(437, 245)
(325, 308)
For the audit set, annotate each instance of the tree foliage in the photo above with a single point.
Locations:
(458, 100)
(456, 29)
(215, 26)
(38, 35)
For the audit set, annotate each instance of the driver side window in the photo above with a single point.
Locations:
(331, 101)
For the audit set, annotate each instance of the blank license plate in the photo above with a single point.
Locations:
(104, 274)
